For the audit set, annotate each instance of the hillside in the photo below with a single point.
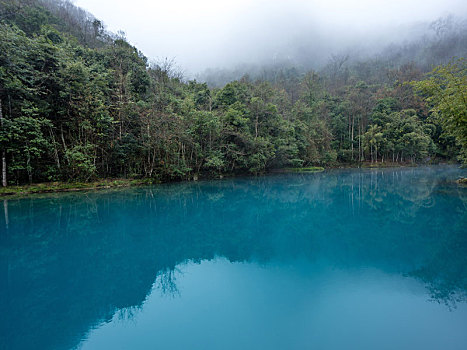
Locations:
(80, 103)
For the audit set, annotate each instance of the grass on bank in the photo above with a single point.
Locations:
(52, 187)
(49, 187)
(310, 169)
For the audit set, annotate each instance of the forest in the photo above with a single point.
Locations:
(79, 103)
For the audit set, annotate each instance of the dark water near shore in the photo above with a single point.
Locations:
(343, 259)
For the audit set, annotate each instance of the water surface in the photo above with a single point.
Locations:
(354, 259)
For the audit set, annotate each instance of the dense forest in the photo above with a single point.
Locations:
(79, 103)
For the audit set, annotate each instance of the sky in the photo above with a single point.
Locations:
(201, 34)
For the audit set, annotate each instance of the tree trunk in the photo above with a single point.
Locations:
(57, 158)
(4, 180)
(256, 127)
(351, 139)
(359, 143)
(28, 166)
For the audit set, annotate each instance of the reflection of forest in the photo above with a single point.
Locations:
(70, 261)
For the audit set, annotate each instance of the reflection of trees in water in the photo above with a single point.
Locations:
(444, 272)
(71, 261)
(5, 213)
(128, 313)
(166, 282)
(462, 194)
(383, 190)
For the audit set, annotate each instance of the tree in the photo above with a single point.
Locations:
(445, 90)
(26, 142)
(77, 102)
(4, 177)
(372, 140)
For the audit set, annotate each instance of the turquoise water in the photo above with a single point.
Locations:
(343, 259)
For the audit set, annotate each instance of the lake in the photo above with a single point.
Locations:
(341, 259)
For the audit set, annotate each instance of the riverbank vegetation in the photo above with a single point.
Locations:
(50, 187)
(78, 103)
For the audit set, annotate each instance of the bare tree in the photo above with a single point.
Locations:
(4, 179)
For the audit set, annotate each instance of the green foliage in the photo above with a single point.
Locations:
(25, 142)
(397, 136)
(80, 104)
(445, 90)
(80, 162)
(215, 161)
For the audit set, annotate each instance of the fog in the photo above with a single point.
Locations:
(222, 34)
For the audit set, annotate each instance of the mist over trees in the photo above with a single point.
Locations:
(433, 44)
(80, 103)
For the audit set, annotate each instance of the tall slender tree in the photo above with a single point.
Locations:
(4, 178)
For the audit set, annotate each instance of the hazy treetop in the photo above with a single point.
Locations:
(213, 33)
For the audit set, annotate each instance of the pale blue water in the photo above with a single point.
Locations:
(344, 259)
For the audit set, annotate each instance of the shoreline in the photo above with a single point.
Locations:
(11, 192)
